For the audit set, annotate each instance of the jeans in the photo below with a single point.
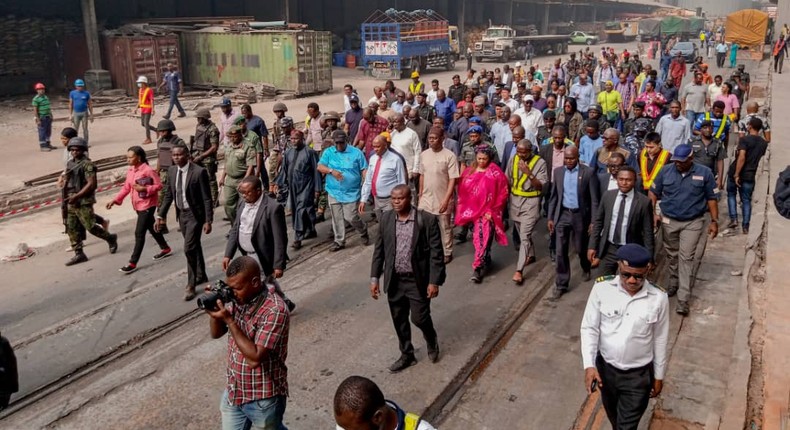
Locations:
(145, 121)
(44, 130)
(745, 190)
(81, 118)
(145, 222)
(263, 414)
(174, 102)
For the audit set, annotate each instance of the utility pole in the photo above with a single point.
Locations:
(286, 8)
(91, 32)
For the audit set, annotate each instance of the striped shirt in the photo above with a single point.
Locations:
(42, 103)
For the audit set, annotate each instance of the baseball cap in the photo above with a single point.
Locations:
(339, 136)
(225, 102)
(682, 153)
(529, 98)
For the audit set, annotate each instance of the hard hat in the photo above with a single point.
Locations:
(40, 86)
(415, 74)
(142, 80)
(79, 83)
(165, 125)
(280, 107)
(78, 142)
(203, 113)
(332, 115)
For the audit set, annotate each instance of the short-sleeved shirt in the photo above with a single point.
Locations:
(695, 96)
(253, 140)
(173, 81)
(79, 100)
(755, 147)
(437, 169)
(238, 159)
(744, 123)
(265, 320)
(684, 197)
(353, 118)
(709, 155)
(43, 105)
(609, 101)
(350, 163)
(258, 125)
(368, 131)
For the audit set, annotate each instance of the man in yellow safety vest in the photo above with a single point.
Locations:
(416, 87)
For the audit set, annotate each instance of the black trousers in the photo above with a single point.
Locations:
(625, 393)
(192, 230)
(609, 261)
(404, 298)
(720, 59)
(145, 222)
(570, 223)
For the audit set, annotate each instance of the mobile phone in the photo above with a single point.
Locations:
(594, 386)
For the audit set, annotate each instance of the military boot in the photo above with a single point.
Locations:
(79, 257)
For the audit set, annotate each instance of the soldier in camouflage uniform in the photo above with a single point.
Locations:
(167, 140)
(203, 147)
(279, 145)
(331, 120)
(80, 190)
(279, 110)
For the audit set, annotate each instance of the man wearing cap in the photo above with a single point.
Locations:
(352, 118)
(300, 176)
(624, 338)
(721, 123)
(172, 79)
(226, 119)
(687, 192)
(80, 107)
(371, 126)
(595, 113)
(42, 110)
(694, 98)
(204, 146)
(145, 104)
(239, 163)
(345, 166)
(456, 90)
(674, 128)
(531, 118)
(167, 140)
(416, 87)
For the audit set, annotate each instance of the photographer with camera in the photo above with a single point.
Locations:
(257, 387)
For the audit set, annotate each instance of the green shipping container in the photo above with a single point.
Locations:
(674, 25)
(298, 61)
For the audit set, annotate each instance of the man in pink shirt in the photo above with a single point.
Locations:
(371, 126)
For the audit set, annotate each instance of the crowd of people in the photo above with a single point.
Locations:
(619, 161)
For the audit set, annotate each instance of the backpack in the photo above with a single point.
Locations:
(782, 193)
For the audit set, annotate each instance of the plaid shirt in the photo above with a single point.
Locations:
(265, 320)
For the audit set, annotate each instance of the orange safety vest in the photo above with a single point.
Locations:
(143, 97)
(649, 177)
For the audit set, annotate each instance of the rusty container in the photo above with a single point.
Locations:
(128, 56)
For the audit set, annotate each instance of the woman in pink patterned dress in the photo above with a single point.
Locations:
(482, 195)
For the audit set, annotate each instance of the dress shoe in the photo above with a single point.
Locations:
(553, 255)
(460, 238)
(682, 308)
(477, 276)
(113, 243)
(365, 239)
(291, 305)
(320, 218)
(586, 276)
(403, 362)
(297, 244)
(336, 247)
(79, 257)
(556, 293)
(433, 351)
(189, 293)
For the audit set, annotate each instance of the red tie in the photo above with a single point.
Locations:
(376, 177)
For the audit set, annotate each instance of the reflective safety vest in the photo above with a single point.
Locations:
(519, 179)
(649, 177)
(722, 124)
(142, 102)
(411, 421)
(416, 89)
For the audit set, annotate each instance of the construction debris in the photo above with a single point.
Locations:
(253, 92)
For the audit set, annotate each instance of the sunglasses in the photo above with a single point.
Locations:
(627, 275)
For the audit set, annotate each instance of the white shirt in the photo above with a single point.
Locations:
(392, 172)
(616, 211)
(628, 331)
(346, 104)
(407, 143)
(183, 203)
(431, 97)
(612, 184)
(512, 104)
(246, 223)
(530, 120)
(713, 92)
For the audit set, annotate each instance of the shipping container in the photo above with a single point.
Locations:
(296, 61)
(128, 56)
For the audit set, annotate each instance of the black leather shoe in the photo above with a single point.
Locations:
(291, 305)
(113, 242)
(402, 363)
(433, 351)
(78, 258)
(553, 255)
(189, 293)
(365, 239)
(297, 244)
(556, 293)
(336, 247)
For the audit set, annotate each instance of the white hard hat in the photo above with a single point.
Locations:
(518, 63)
(142, 80)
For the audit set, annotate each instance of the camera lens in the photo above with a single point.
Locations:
(208, 301)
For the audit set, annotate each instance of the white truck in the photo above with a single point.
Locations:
(501, 42)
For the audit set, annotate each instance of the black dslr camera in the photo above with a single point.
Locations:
(221, 291)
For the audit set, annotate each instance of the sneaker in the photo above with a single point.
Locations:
(164, 254)
(113, 242)
(45, 149)
(79, 257)
(129, 268)
(182, 114)
(403, 362)
(477, 276)
(733, 224)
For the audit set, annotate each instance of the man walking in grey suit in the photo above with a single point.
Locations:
(188, 187)
(573, 201)
(624, 216)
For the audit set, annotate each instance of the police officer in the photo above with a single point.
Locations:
(204, 147)
(239, 163)
(167, 140)
(80, 193)
(624, 336)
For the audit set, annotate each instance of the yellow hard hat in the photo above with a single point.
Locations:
(415, 74)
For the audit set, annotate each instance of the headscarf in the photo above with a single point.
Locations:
(568, 116)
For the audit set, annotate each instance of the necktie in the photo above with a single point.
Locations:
(179, 191)
(618, 226)
(376, 177)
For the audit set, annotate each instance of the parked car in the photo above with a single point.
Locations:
(689, 51)
(582, 38)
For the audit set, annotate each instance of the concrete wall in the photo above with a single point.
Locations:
(716, 7)
(782, 14)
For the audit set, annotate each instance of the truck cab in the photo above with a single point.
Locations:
(497, 42)
(455, 41)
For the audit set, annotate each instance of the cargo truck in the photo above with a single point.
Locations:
(395, 43)
(502, 43)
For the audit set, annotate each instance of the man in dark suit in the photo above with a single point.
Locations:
(188, 187)
(574, 199)
(553, 154)
(410, 255)
(259, 231)
(624, 216)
